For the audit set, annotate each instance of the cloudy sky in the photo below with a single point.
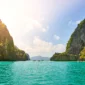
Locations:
(41, 27)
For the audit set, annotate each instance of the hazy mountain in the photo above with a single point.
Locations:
(40, 58)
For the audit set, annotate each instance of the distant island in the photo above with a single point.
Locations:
(75, 49)
(8, 51)
(39, 58)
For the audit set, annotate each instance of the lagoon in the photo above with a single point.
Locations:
(42, 73)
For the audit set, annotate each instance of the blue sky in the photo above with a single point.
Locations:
(41, 27)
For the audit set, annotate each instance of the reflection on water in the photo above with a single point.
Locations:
(42, 73)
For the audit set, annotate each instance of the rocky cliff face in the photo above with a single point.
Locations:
(77, 40)
(7, 49)
(75, 45)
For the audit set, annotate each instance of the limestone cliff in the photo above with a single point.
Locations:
(7, 49)
(75, 45)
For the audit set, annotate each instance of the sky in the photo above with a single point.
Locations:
(41, 27)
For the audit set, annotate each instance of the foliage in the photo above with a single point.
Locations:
(64, 57)
(69, 42)
(80, 25)
(82, 54)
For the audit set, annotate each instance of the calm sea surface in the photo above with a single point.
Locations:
(42, 73)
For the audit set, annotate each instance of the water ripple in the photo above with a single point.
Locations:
(42, 73)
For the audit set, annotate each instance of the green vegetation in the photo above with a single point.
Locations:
(82, 54)
(63, 57)
(69, 43)
(80, 25)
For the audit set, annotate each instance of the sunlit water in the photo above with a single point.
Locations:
(42, 73)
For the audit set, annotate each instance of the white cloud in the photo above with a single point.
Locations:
(56, 37)
(44, 30)
(34, 25)
(74, 22)
(41, 47)
(70, 22)
(28, 17)
(77, 22)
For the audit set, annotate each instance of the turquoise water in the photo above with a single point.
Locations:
(42, 73)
